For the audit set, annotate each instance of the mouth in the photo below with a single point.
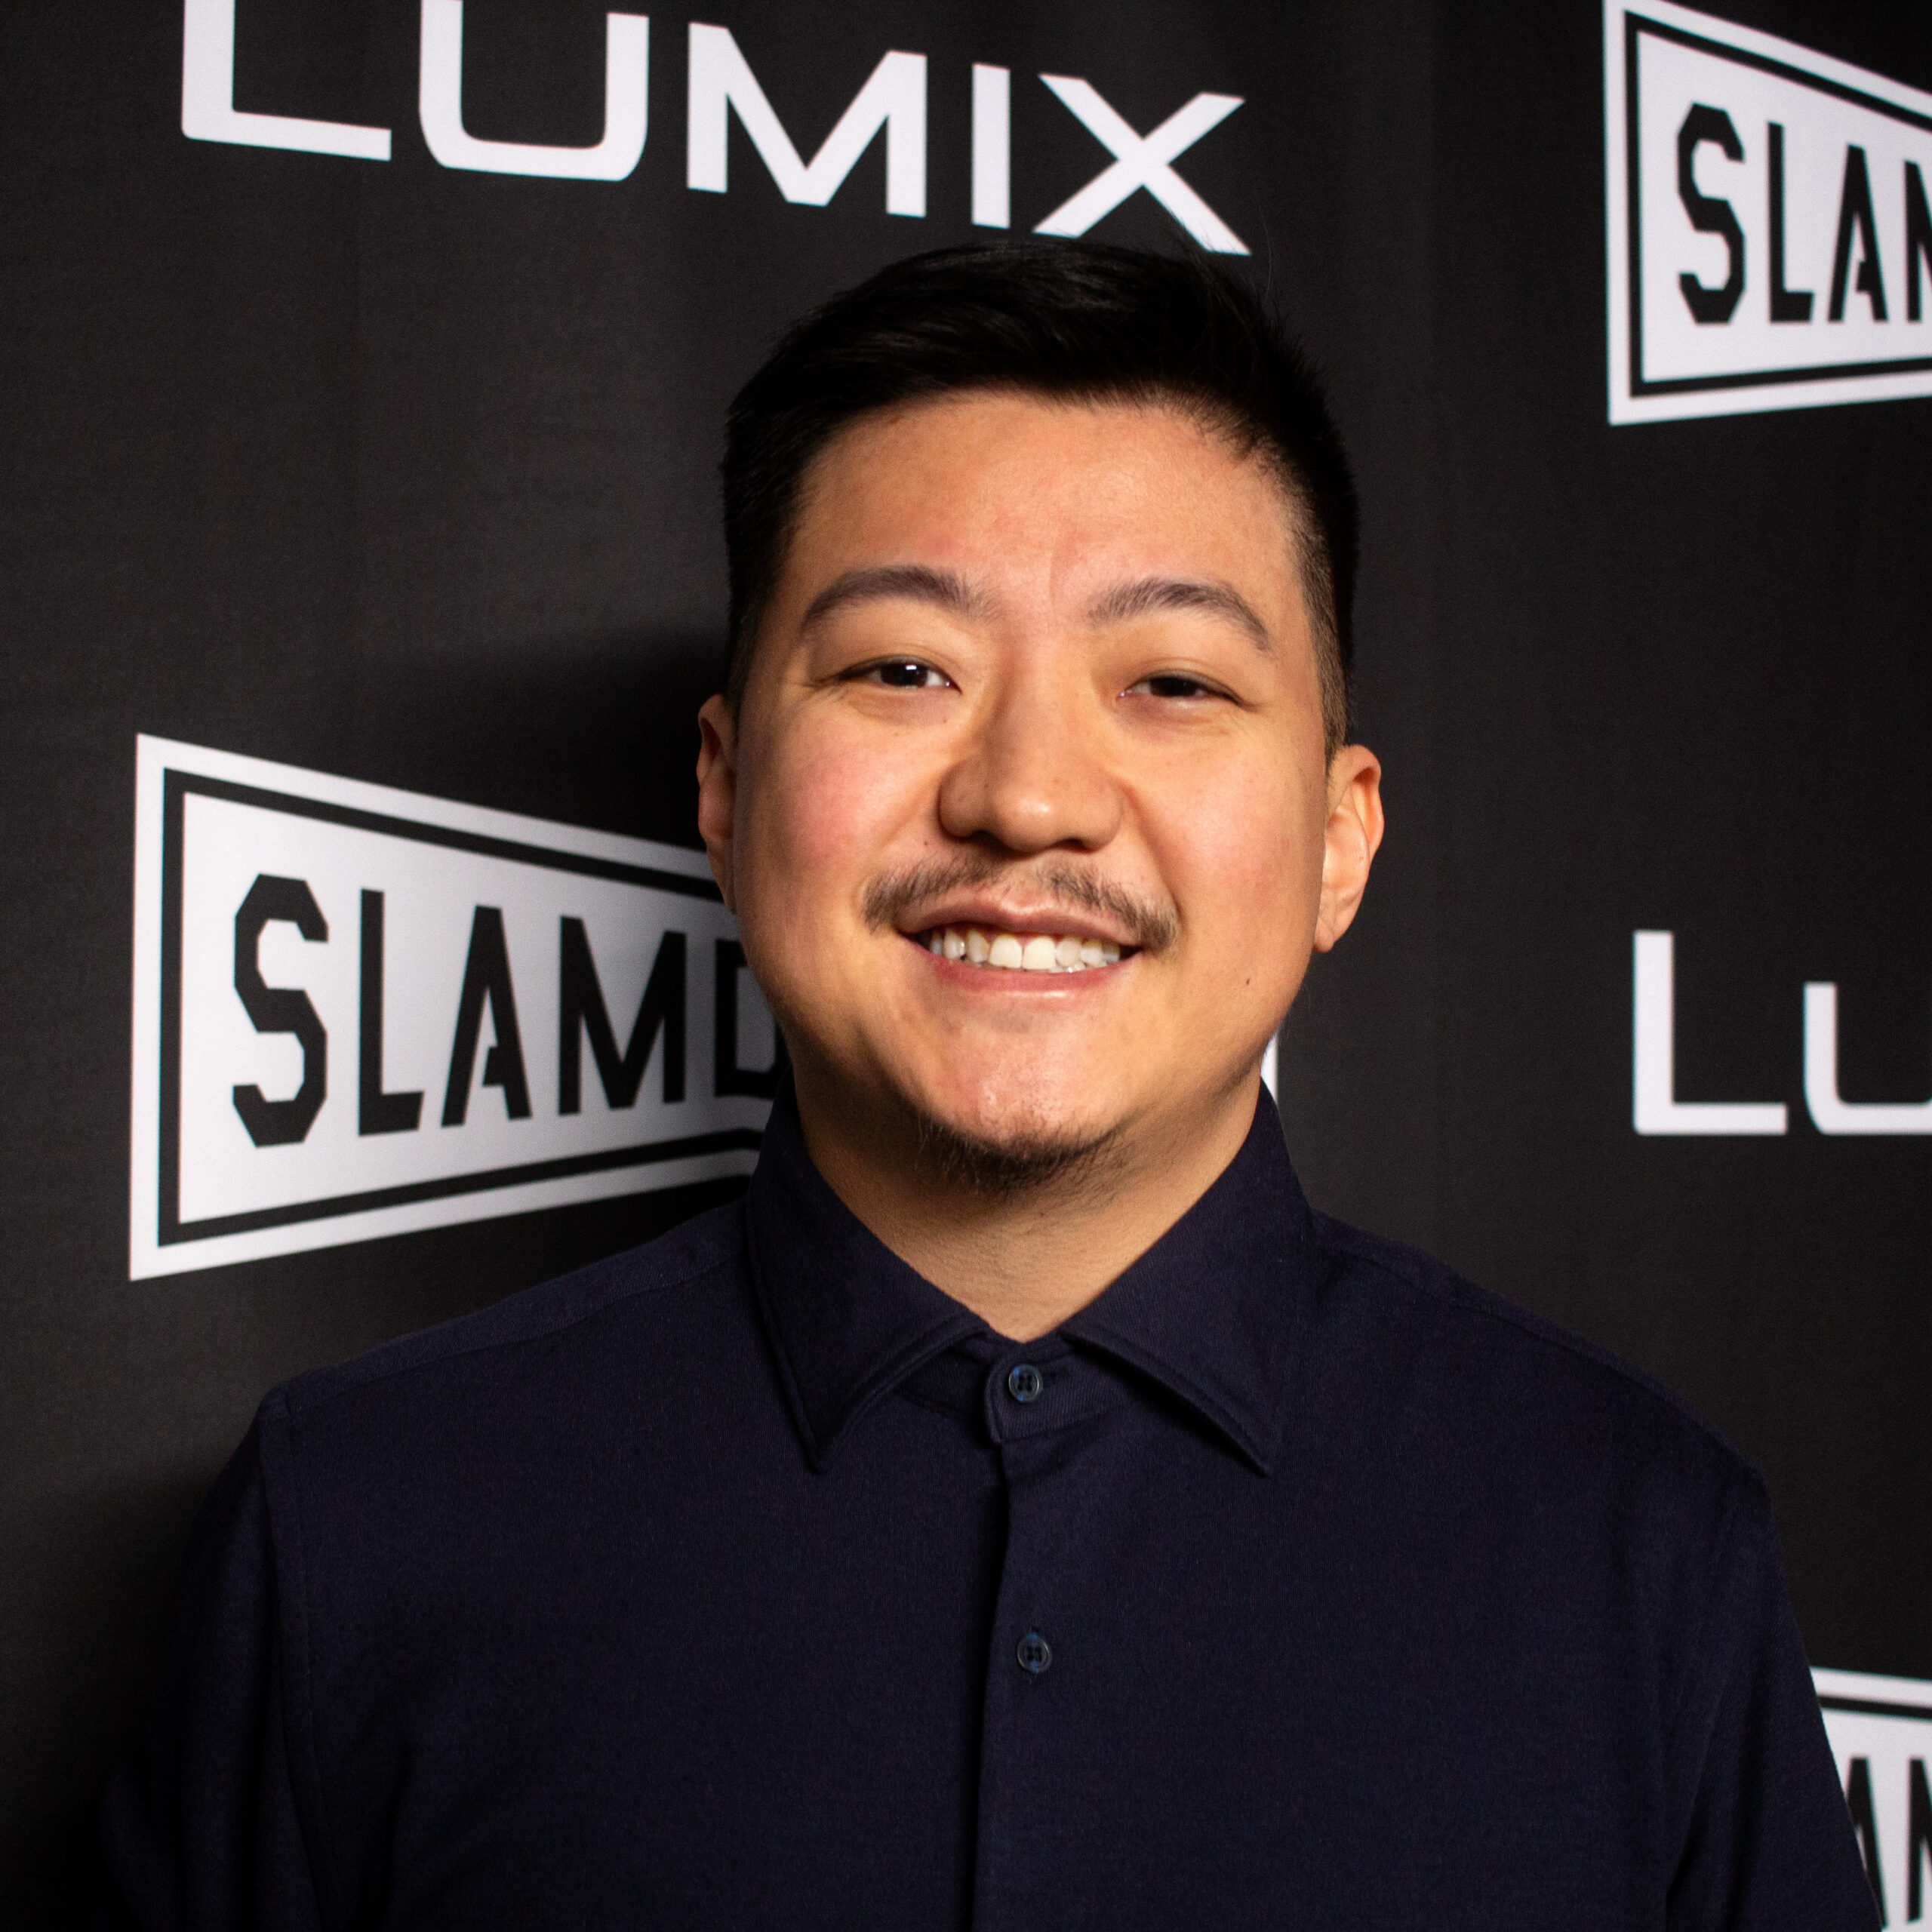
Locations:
(997, 949)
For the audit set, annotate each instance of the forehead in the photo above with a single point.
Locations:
(1045, 498)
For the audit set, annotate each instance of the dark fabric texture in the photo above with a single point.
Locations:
(692, 1590)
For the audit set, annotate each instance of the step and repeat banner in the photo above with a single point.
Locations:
(364, 367)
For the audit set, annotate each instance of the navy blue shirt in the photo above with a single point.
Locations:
(746, 1579)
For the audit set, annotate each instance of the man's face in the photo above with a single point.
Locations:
(1037, 682)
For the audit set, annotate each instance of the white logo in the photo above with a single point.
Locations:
(894, 98)
(719, 82)
(1656, 1108)
(1143, 163)
(1880, 1729)
(1769, 229)
(359, 1011)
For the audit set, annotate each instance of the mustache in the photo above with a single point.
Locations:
(889, 897)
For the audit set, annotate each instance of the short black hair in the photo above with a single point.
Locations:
(1073, 321)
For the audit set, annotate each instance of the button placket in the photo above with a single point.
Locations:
(1028, 1683)
(1044, 1392)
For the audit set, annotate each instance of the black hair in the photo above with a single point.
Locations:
(1071, 320)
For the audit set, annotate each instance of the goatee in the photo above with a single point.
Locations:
(1026, 1163)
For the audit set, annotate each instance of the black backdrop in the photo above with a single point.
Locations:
(404, 473)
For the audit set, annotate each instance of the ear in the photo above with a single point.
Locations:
(1349, 839)
(717, 792)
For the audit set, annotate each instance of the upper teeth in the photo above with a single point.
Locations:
(1030, 953)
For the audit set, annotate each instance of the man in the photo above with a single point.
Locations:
(1023, 1511)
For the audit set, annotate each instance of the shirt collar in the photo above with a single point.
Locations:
(1209, 1312)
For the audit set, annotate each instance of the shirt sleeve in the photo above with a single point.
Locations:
(202, 1828)
(1767, 1843)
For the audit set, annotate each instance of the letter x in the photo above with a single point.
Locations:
(1143, 163)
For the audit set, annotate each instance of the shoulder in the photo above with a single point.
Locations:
(1491, 1380)
(659, 1283)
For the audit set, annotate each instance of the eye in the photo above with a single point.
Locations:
(901, 674)
(1172, 684)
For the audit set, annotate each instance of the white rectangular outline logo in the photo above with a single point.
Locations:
(1633, 397)
(159, 1242)
(1880, 1732)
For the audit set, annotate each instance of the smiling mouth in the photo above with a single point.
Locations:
(1001, 951)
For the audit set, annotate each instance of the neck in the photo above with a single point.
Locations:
(1024, 1258)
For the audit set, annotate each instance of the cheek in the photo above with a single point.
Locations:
(818, 823)
(1244, 856)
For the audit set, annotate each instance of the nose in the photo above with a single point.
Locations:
(1032, 775)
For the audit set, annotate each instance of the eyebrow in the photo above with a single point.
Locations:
(1150, 594)
(918, 581)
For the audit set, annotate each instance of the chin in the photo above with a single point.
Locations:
(1018, 1163)
(1005, 1143)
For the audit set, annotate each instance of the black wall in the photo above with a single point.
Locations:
(404, 473)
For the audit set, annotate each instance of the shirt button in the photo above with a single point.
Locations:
(1025, 1382)
(1035, 1654)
